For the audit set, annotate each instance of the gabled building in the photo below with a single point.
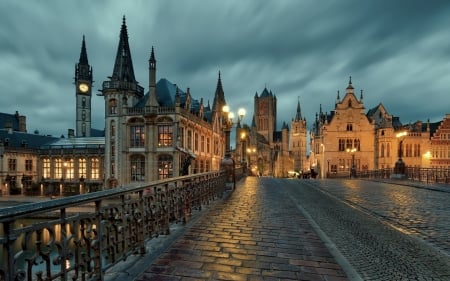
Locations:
(439, 156)
(156, 135)
(345, 138)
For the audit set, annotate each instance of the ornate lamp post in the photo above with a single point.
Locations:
(353, 167)
(228, 163)
(400, 167)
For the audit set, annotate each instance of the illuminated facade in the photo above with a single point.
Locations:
(348, 137)
(161, 134)
(266, 150)
(439, 156)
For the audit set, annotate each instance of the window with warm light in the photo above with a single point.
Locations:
(165, 167)
(95, 168)
(46, 168)
(69, 167)
(82, 168)
(58, 168)
(165, 135)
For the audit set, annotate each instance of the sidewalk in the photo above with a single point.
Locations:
(254, 234)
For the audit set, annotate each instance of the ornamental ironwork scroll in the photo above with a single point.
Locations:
(81, 237)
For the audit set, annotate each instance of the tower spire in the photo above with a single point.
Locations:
(123, 66)
(152, 99)
(83, 53)
(298, 116)
(219, 97)
(83, 92)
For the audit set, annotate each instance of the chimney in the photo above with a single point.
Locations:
(70, 133)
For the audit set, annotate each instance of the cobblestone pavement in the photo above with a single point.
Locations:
(353, 213)
(424, 213)
(257, 233)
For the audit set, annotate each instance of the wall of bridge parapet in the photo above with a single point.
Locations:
(89, 233)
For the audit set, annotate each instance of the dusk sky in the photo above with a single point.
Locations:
(398, 52)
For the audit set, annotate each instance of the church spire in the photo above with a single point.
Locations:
(219, 97)
(298, 116)
(152, 99)
(83, 53)
(123, 66)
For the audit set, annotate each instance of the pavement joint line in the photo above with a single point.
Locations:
(340, 259)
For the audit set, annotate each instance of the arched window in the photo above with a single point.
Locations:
(137, 168)
(165, 167)
(112, 106)
(388, 150)
(382, 150)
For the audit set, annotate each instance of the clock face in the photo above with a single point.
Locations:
(83, 87)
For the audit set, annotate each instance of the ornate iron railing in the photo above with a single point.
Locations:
(85, 235)
(426, 175)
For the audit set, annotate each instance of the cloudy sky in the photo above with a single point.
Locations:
(398, 52)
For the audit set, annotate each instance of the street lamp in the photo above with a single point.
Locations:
(227, 125)
(353, 167)
(399, 168)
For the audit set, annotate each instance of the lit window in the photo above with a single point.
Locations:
(46, 168)
(165, 167)
(165, 135)
(82, 168)
(95, 169)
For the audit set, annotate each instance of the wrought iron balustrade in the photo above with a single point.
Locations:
(85, 235)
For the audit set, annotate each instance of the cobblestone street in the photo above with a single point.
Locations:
(358, 216)
(255, 234)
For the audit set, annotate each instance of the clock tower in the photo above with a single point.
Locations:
(83, 93)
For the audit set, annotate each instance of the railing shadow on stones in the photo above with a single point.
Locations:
(83, 236)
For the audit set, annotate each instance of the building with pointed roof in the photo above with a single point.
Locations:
(160, 134)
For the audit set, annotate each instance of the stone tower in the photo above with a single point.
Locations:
(120, 92)
(298, 141)
(83, 93)
(266, 114)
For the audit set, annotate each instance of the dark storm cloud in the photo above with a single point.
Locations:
(397, 51)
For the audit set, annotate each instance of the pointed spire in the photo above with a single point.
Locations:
(83, 53)
(338, 97)
(123, 66)
(361, 96)
(298, 116)
(219, 97)
(350, 86)
(152, 56)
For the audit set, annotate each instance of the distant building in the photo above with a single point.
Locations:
(439, 156)
(267, 151)
(348, 137)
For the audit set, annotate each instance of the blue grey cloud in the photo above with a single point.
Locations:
(397, 51)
